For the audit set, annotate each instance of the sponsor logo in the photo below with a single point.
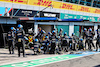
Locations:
(44, 2)
(97, 11)
(67, 6)
(27, 12)
(85, 9)
(20, 1)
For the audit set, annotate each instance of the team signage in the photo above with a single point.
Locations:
(49, 14)
(22, 12)
(73, 16)
(32, 13)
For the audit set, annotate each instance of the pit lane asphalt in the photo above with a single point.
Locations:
(85, 61)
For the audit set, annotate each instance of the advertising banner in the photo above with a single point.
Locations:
(49, 14)
(68, 6)
(56, 4)
(32, 13)
(83, 17)
(84, 9)
(20, 1)
(95, 10)
(94, 19)
(7, 1)
(73, 16)
(24, 13)
(67, 16)
(4, 11)
(33, 2)
(43, 3)
(16, 1)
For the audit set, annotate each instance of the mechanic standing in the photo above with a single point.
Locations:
(91, 35)
(61, 32)
(53, 42)
(86, 34)
(98, 39)
(20, 40)
(65, 42)
(10, 37)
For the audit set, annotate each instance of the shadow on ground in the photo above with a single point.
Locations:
(3, 53)
(7, 56)
(97, 66)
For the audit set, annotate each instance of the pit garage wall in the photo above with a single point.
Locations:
(47, 28)
(57, 25)
(69, 26)
(4, 28)
(76, 30)
(7, 21)
(89, 24)
(64, 27)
